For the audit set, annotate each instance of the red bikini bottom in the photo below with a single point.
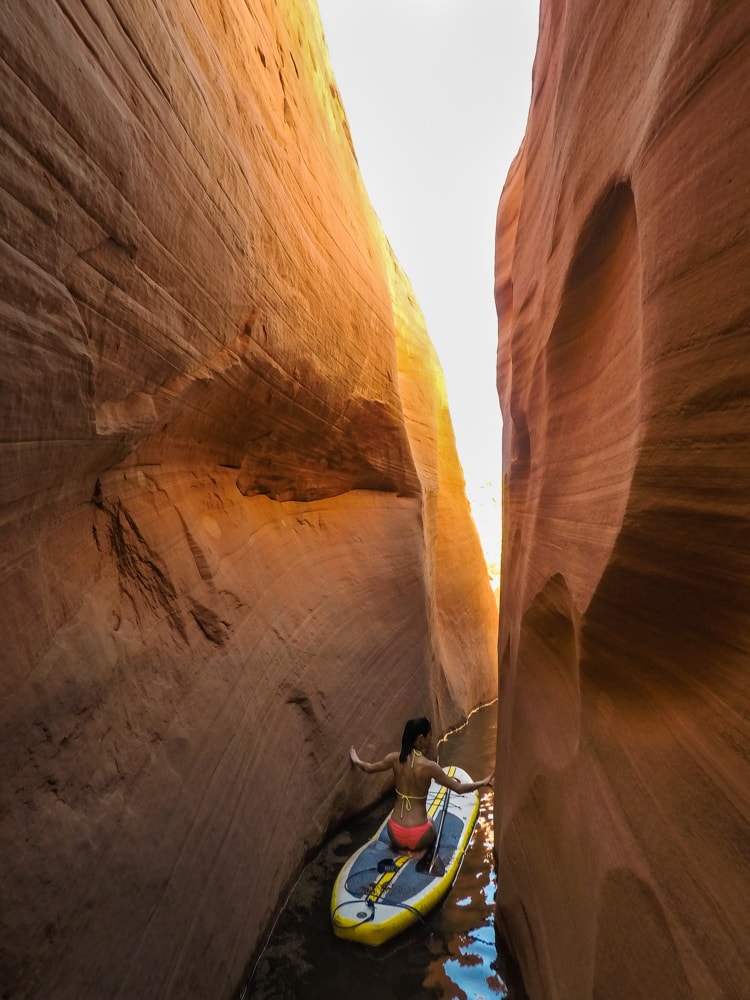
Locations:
(408, 836)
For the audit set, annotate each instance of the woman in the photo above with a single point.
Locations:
(409, 827)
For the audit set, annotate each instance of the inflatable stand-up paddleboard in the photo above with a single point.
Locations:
(379, 892)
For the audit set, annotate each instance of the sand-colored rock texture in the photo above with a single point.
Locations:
(234, 531)
(623, 291)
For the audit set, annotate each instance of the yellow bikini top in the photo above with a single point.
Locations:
(407, 799)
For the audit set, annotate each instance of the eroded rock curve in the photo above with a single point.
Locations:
(234, 527)
(623, 245)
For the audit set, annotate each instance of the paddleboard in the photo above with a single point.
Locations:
(379, 893)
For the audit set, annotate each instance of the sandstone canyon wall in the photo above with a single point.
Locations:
(623, 293)
(234, 531)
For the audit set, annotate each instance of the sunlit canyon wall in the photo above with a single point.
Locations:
(623, 292)
(234, 531)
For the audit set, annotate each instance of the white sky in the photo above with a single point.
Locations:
(437, 95)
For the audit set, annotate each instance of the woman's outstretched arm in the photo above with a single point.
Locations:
(379, 765)
(461, 787)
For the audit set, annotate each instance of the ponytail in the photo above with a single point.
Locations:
(413, 729)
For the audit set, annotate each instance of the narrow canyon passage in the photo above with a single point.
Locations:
(452, 953)
(234, 524)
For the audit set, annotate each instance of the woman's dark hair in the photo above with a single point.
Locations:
(413, 729)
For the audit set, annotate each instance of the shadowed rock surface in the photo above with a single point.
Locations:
(623, 253)
(234, 531)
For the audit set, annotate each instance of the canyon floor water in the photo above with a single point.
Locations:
(453, 955)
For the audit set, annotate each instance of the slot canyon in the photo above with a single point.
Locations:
(622, 805)
(235, 534)
(234, 527)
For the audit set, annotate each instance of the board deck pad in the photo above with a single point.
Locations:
(380, 892)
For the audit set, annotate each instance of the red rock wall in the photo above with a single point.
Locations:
(234, 531)
(623, 254)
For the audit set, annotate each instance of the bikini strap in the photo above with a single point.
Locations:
(406, 800)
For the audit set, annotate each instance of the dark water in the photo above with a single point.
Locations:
(453, 955)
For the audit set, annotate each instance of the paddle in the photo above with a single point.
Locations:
(439, 834)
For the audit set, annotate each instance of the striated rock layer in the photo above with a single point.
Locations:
(623, 255)
(234, 531)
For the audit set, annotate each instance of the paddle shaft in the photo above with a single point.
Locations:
(439, 833)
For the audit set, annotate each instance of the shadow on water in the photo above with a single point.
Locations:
(453, 955)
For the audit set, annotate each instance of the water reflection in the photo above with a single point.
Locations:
(469, 967)
(451, 956)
